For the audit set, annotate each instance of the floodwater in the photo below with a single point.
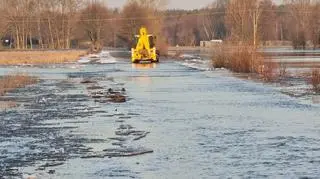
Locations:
(180, 120)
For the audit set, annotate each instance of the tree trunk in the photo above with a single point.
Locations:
(255, 28)
(39, 33)
(51, 35)
(68, 34)
(23, 34)
(17, 38)
(30, 38)
(62, 41)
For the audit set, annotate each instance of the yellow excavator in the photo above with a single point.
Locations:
(143, 49)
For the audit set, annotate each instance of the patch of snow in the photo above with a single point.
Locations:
(188, 56)
(93, 56)
(84, 60)
(198, 64)
(106, 58)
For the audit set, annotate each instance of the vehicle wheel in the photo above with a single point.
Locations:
(135, 61)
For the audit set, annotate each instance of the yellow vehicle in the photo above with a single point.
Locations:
(143, 49)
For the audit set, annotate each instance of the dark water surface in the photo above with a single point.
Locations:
(187, 123)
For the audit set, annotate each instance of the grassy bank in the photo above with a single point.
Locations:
(40, 57)
(11, 82)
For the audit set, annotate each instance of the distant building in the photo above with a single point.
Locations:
(211, 43)
(9, 42)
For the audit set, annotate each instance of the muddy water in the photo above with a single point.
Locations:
(177, 122)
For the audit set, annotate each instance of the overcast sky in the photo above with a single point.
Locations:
(174, 4)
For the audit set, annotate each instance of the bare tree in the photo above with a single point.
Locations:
(268, 21)
(94, 21)
(314, 24)
(17, 13)
(212, 20)
(300, 13)
(243, 18)
(134, 15)
(137, 13)
(3, 22)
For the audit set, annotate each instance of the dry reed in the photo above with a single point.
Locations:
(240, 59)
(10, 82)
(7, 104)
(39, 57)
(315, 80)
(243, 59)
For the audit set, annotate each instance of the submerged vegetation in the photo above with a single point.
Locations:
(9, 83)
(315, 80)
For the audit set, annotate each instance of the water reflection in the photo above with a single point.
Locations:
(316, 99)
(142, 80)
(144, 65)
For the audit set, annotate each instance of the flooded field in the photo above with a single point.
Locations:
(295, 58)
(175, 119)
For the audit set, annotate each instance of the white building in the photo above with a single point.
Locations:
(211, 43)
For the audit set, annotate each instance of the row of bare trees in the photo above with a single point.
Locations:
(50, 22)
(304, 22)
(58, 24)
(55, 24)
(247, 21)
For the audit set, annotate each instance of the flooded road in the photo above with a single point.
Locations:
(178, 121)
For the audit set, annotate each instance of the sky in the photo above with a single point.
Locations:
(174, 4)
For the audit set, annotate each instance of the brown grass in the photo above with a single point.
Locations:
(315, 80)
(240, 59)
(243, 59)
(11, 82)
(221, 57)
(39, 57)
(7, 104)
(269, 71)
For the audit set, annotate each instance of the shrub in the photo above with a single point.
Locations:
(162, 48)
(221, 57)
